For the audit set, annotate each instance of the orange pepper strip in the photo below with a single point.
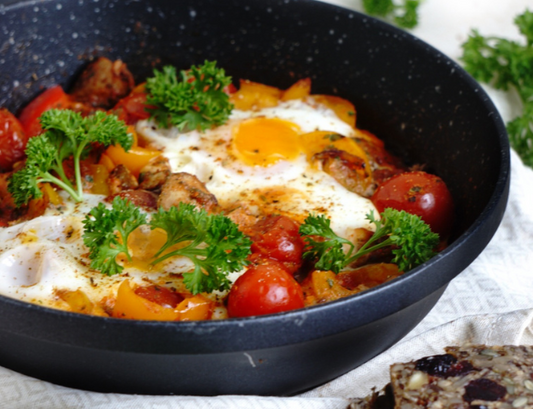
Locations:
(52, 194)
(79, 302)
(106, 161)
(253, 95)
(344, 109)
(195, 308)
(100, 174)
(135, 159)
(298, 90)
(129, 305)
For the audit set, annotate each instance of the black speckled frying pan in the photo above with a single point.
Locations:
(423, 105)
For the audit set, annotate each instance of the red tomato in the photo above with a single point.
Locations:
(159, 295)
(421, 194)
(12, 140)
(53, 97)
(264, 289)
(132, 108)
(277, 237)
(230, 89)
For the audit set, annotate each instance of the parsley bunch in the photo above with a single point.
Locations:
(212, 242)
(412, 241)
(67, 134)
(194, 100)
(100, 233)
(404, 15)
(506, 65)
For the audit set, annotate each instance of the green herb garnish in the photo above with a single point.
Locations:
(212, 242)
(106, 233)
(67, 134)
(412, 240)
(505, 65)
(193, 101)
(404, 15)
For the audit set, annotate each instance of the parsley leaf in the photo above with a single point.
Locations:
(194, 100)
(66, 134)
(412, 240)
(404, 15)
(505, 65)
(100, 234)
(212, 242)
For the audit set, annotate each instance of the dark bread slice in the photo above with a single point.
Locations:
(471, 377)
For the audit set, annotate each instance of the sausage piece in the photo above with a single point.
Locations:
(121, 179)
(186, 188)
(140, 198)
(154, 174)
(347, 169)
(103, 83)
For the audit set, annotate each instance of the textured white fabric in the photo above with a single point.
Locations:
(490, 302)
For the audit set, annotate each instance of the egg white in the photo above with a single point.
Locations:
(40, 256)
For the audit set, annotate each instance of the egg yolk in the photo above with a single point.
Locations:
(264, 141)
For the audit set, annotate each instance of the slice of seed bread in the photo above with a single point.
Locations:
(471, 377)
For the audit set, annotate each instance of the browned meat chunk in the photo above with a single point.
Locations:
(186, 188)
(243, 218)
(121, 179)
(140, 198)
(383, 164)
(154, 174)
(103, 83)
(347, 169)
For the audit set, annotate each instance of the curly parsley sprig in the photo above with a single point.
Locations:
(212, 242)
(412, 240)
(106, 233)
(404, 15)
(67, 134)
(506, 65)
(193, 100)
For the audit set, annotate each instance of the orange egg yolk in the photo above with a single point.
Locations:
(265, 141)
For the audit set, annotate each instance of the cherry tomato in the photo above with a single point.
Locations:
(53, 97)
(159, 295)
(421, 194)
(277, 237)
(12, 140)
(264, 289)
(230, 89)
(132, 108)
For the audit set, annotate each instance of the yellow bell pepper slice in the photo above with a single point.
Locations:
(129, 305)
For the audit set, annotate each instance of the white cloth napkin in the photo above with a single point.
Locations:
(491, 302)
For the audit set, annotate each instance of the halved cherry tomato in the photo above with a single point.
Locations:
(421, 194)
(12, 140)
(277, 237)
(160, 295)
(264, 289)
(53, 97)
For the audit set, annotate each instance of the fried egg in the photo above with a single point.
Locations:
(259, 160)
(263, 160)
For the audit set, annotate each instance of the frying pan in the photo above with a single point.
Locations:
(426, 108)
